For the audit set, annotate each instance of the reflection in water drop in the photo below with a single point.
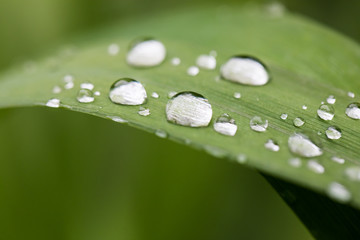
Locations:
(144, 111)
(353, 110)
(331, 99)
(284, 116)
(258, 124)
(85, 96)
(333, 132)
(326, 112)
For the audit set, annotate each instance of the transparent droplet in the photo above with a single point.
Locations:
(189, 109)
(304, 146)
(237, 95)
(245, 70)
(298, 122)
(272, 145)
(175, 61)
(146, 53)
(85, 96)
(97, 93)
(155, 95)
(225, 125)
(144, 111)
(171, 94)
(338, 192)
(353, 110)
(326, 112)
(113, 49)
(258, 124)
(353, 173)
(241, 158)
(193, 71)
(54, 103)
(88, 86)
(68, 78)
(295, 162)
(215, 151)
(69, 85)
(338, 160)
(127, 91)
(160, 133)
(206, 62)
(304, 107)
(333, 132)
(331, 99)
(316, 167)
(117, 119)
(56, 90)
(276, 9)
(351, 94)
(284, 116)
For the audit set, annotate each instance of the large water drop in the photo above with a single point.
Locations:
(146, 53)
(302, 145)
(127, 91)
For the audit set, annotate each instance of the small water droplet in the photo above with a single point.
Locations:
(85, 96)
(276, 9)
(206, 62)
(144, 111)
(284, 116)
(193, 71)
(54, 103)
(326, 112)
(215, 151)
(272, 145)
(298, 122)
(295, 162)
(338, 192)
(69, 85)
(127, 91)
(304, 146)
(225, 125)
(258, 124)
(353, 110)
(171, 94)
(97, 93)
(338, 160)
(88, 86)
(304, 107)
(113, 49)
(353, 173)
(56, 90)
(351, 94)
(213, 53)
(68, 78)
(331, 99)
(189, 109)
(160, 133)
(241, 158)
(237, 95)
(245, 70)
(155, 95)
(175, 61)
(315, 167)
(117, 119)
(146, 53)
(333, 132)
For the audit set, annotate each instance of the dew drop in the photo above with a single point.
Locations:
(298, 122)
(315, 167)
(326, 112)
(88, 86)
(225, 125)
(295, 162)
(189, 109)
(338, 160)
(353, 110)
(160, 133)
(276, 9)
(237, 95)
(331, 99)
(245, 70)
(85, 96)
(144, 112)
(338, 192)
(284, 116)
(146, 53)
(193, 71)
(113, 49)
(56, 90)
(97, 93)
(272, 145)
(304, 107)
(175, 61)
(155, 95)
(206, 62)
(333, 132)
(53, 103)
(351, 94)
(241, 158)
(69, 85)
(127, 91)
(302, 145)
(118, 119)
(68, 78)
(353, 173)
(258, 124)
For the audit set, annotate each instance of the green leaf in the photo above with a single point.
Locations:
(307, 63)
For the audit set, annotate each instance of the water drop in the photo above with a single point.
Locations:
(144, 111)
(304, 146)
(171, 94)
(85, 96)
(213, 53)
(245, 70)
(56, 90)
(353, 110)
(175, 61)
(295, 162)
(284, 116)
(146, 53)
(304, 107)
(353, 173)
(88, 86)
(258, 124)
(155, 95)
(298, 122)
(333, 132)
(331, 99)
(193, 71)
(118, 119)
(160, 133)
(189, 109)
(351, 94)
(127, 91)
(326, 112)
(54, 103)
(237, 95)
(225, 125)
(113, 49)
(338, 160)
(206, 62)
(97, 93)
(241, 158)
(276, 9)
(69, 85)
(315, 167)
(68, 78)
(272, 146)
(338, 192)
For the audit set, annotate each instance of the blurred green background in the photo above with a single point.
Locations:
(65, 175)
